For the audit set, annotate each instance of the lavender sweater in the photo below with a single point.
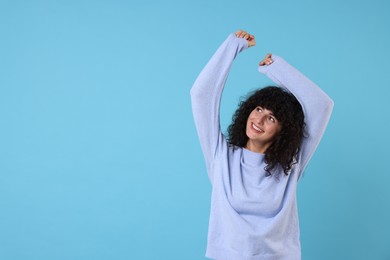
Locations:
(252, 216)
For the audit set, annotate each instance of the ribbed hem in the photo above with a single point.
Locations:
(222, 253)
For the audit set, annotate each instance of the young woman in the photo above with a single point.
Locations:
(254, 170)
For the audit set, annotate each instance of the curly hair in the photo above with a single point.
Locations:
(284, 149)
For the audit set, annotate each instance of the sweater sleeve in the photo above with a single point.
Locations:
(317, 105)
(206, 96)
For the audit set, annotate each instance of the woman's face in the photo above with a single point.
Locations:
(262, 127)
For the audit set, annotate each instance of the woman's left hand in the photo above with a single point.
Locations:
(267, 60)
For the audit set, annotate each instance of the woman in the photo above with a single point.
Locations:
(255, 170)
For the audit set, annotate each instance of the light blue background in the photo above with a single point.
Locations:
(99, 158)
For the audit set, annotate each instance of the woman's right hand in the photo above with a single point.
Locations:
(249, 37)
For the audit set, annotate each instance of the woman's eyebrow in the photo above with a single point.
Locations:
(270, 112)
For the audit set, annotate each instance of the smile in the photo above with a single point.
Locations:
(257, 128)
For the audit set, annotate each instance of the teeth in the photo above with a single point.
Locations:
(258, 129)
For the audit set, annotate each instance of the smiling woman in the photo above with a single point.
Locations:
(254, 216)
(279, 116)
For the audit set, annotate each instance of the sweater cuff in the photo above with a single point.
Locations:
(241, 41)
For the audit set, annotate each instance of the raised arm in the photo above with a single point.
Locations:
(317, 105)
(207, 90)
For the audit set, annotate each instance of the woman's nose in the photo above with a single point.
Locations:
(260, 119)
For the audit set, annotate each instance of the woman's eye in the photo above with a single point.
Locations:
(259, 109)
(272, 119)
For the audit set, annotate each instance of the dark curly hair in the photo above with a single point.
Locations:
(283, 152)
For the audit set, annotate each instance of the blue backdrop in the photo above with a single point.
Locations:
(99, 157)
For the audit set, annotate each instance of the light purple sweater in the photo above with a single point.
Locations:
(252, 216)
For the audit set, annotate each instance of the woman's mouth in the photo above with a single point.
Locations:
(258, 129)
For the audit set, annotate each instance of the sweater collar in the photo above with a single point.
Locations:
(252, 158)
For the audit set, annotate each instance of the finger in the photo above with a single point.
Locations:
(266, 61)
(262, 63)
(243, 33)
(238, 33)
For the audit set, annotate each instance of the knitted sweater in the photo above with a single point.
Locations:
(253, 216)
